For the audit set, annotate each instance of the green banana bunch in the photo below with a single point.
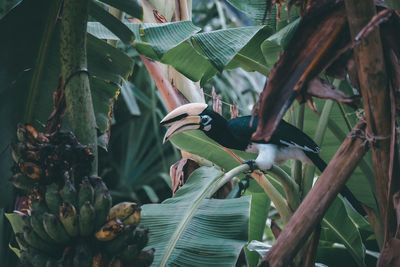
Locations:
(69, 219)
(33, 240)
(87, 217)
(102, 206)
(86, 192)
(68, 192)
(36, 220)
(54, 228)
(53, 198)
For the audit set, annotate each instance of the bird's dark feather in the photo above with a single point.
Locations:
(285, 134)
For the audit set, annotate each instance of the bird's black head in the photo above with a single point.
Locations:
(193, 116)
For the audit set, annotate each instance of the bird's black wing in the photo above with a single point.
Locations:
(290, 135)
(242, 127)
(285, 134)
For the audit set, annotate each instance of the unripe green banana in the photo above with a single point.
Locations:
(69, 219)
(38, 206)
(83, 257)
(86, 192)
(129, 253)
(122, 210)
(140, 237)
(39, 260)
(102, 206)
(68, 192)
(25, 258)
(86, 219)
(54, 228)
(22, 182)
(36, 242)
(98, 185)
(53, 198)
(145, 258)
(110, 230)
(116, 245)
(36, 220)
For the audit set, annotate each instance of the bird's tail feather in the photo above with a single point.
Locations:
(321, 165)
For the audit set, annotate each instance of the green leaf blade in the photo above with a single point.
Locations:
(190, 229)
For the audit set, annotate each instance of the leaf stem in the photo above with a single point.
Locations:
(251, 63)
(318, 138)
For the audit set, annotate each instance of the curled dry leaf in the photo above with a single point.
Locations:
(390, 254)
(180, 172)
(216, 102)
(322, 89)
(234, 110)
(321, 33)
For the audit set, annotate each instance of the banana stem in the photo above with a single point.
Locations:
(73, 63)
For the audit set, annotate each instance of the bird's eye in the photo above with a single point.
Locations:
(205, 119)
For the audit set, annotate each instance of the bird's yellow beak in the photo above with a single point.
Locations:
(183, 118)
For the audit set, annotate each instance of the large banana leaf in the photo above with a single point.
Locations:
(191, 229)
(198, 56)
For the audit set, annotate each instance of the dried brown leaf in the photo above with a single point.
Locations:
(316, 41)
(322, 89)
(180, 172)
(216, 102)
(390, 254)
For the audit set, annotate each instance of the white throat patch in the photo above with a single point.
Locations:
(207, 128)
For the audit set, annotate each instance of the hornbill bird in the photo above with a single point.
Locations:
(287, 142)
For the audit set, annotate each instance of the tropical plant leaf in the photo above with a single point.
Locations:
(346, 232)
(260, 205)
(254, 9)
(178, 44)
(131, 7)
(273, 45)
(16, 222)
(192, 230)
(112, 23)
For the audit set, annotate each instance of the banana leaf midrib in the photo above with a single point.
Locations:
(182, 226)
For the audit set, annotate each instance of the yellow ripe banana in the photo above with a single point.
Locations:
(134, 218)
(122, 210)
(110, 230)
(69, 219)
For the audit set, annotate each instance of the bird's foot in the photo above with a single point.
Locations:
(251, 163)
